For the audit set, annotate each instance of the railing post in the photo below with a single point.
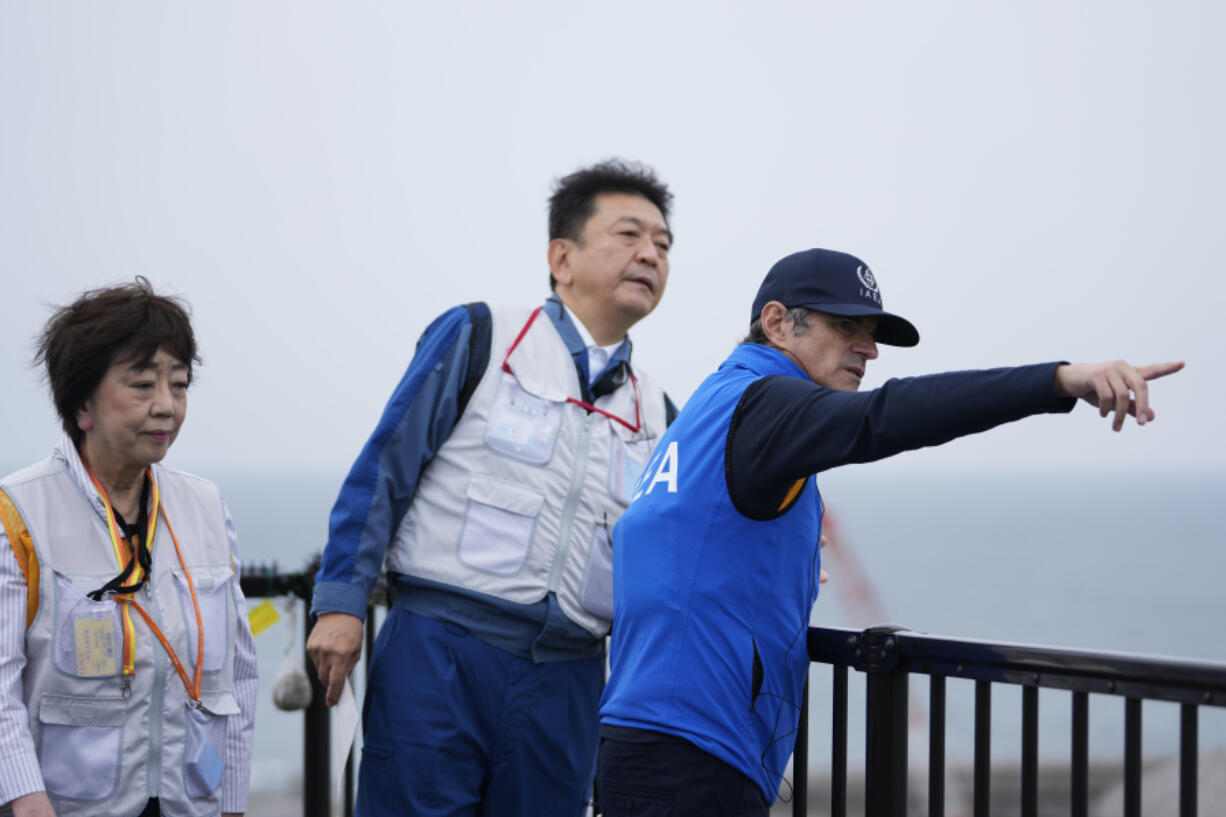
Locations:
(800, 758)
(838, 743)
(885, 783)
(317, 740)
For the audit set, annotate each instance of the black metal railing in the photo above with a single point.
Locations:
(268, 581)
(888, 655)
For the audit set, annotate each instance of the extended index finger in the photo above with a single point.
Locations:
(335, 684)
(1155, 370)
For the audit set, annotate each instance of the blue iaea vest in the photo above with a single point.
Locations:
(710, 607)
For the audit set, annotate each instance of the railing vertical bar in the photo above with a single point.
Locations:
(936, 746)
(1081, 741)
(800, 758)
(1132, 757)
(1188, 751)
(316, 776)
(838, 747)
(349, 770)
(1030, 751)
(983, 748)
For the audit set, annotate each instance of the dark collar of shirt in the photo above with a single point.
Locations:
(613, 374)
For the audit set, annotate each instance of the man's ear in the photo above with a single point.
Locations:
(776, 324)
(559, 257)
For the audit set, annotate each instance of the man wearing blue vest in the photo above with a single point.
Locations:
(717, 559)
(488, 492)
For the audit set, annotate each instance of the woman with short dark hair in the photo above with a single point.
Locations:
(127, 667)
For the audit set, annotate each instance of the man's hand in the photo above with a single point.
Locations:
(1113, 387)
(822, 576)
(334, 646)
(35, 804)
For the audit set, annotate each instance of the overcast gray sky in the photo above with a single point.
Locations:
(1028, 181)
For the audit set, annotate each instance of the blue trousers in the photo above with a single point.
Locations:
(453, 726)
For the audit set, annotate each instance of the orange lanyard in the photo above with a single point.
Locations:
(634, 383)
(192, 685)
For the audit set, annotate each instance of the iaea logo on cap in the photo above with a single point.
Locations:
(869, 282)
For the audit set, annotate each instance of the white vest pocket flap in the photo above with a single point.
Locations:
(79, 748)
(498, 525)
(506, 495)
(220, 703)
(65, 710)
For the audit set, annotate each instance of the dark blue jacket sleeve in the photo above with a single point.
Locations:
(786, 428)
(423, 410)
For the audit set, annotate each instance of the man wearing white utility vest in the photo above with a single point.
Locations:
(488, 491)
(717, 561)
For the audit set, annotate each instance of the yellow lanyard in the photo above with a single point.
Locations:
(127, 602)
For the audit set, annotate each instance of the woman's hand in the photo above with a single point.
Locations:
(35, 804)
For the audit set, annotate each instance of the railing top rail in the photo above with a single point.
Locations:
(269, 580)
(1142, 676)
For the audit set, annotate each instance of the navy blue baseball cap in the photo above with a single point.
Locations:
(832, 282)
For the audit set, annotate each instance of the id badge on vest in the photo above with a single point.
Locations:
(522, 425)
(88, 636)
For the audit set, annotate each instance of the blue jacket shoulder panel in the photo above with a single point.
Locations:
(418, 418)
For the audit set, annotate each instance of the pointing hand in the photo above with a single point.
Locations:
(1115, 387)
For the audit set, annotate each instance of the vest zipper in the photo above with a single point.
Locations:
(157, 694)
(568, 510)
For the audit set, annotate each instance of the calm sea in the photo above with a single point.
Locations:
(1104, 561)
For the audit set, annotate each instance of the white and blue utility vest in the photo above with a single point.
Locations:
(107, 745)
(521, 499)
(712, 607)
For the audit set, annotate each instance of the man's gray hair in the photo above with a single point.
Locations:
(800, 326)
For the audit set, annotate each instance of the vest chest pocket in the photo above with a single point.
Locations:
(81, 745)
(213, 595)
(522, 425)
(498, 525)
(627, 460)
(88, 638)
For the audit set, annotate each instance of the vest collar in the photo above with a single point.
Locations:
(567, 329)
(66, 452)
(763, 361)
